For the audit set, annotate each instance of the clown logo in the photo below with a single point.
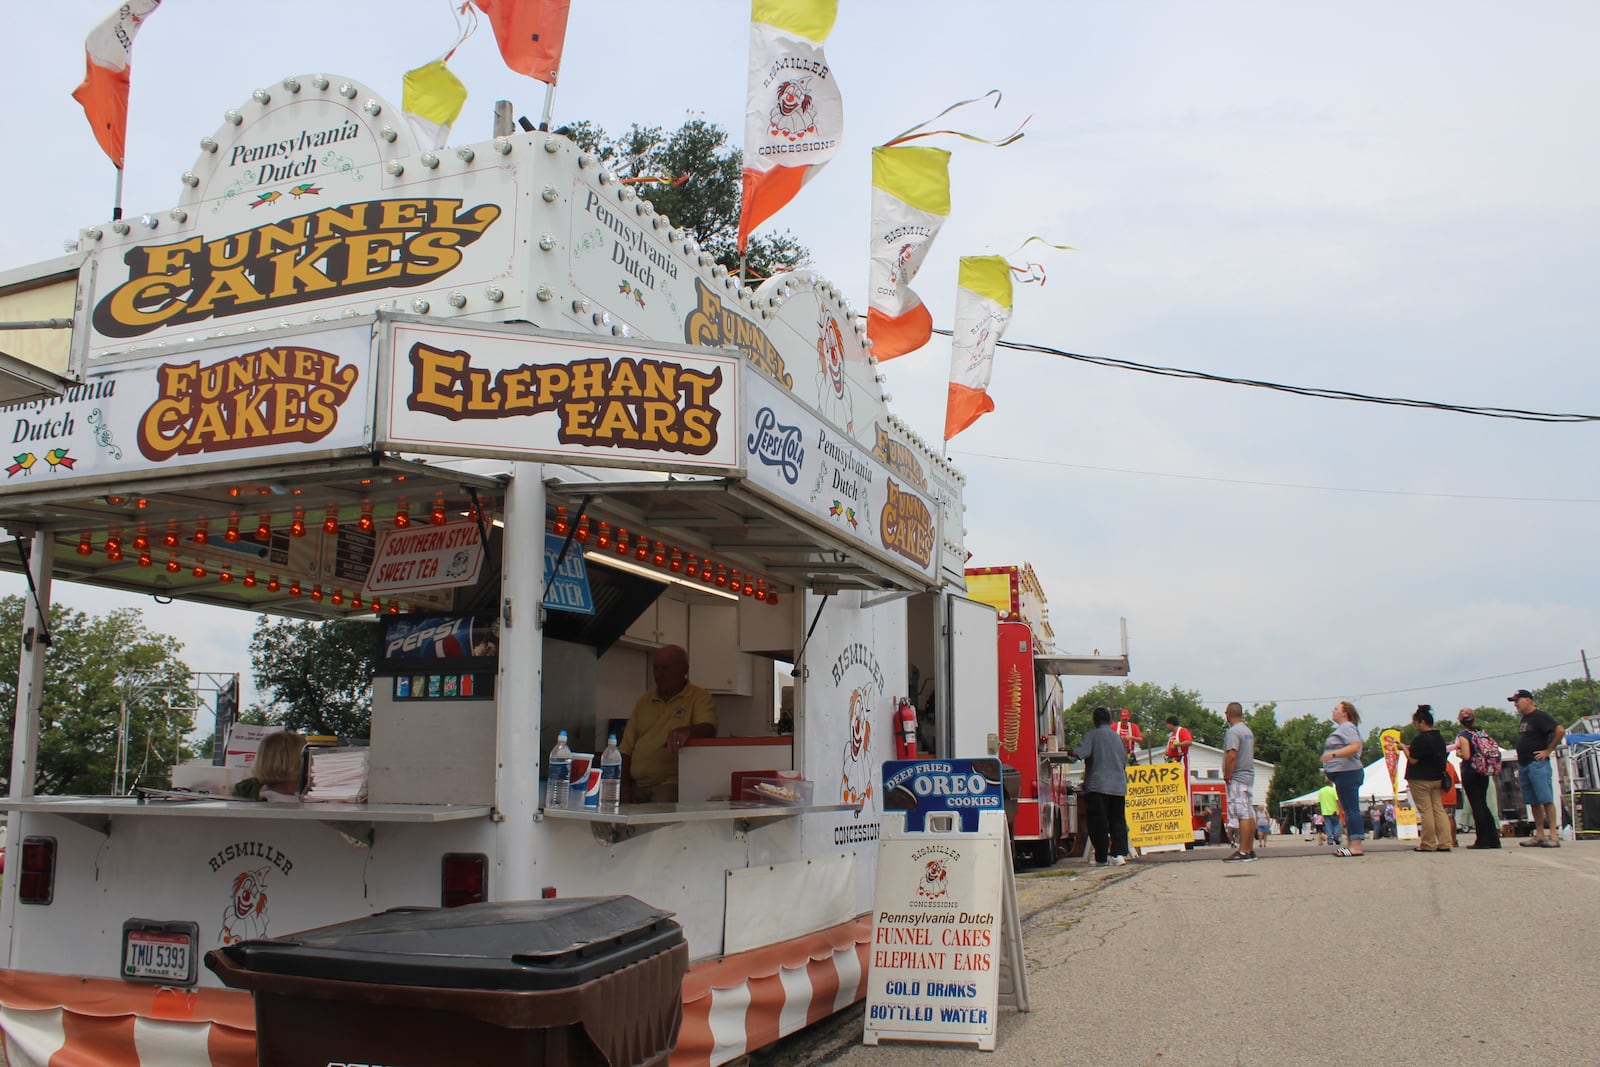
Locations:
(246, 915)
(833, 389)
(795, 114)
(904, 267)
(935, 878)
(857, 770)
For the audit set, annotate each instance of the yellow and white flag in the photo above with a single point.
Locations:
(794, 117)
(910, 201)
(983, 311)
(431, 97)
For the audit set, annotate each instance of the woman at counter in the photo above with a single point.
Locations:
(279, 769)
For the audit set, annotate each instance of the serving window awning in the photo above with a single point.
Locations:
(736, 522)
(227, 511)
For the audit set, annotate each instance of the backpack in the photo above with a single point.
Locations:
(1485, 753)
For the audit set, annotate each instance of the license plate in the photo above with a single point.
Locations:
(159, 955)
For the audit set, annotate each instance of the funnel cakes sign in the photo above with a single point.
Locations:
(494, 392)
(311, 199)
(230, 403)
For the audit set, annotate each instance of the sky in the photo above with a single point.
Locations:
(1395, 200)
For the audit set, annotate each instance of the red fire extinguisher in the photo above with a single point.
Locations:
(905, 734)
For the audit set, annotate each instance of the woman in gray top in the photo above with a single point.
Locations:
(1341, 759)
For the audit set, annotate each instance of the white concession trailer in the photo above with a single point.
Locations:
(347, 378)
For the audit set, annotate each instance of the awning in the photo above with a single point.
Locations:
(736, 522)
(171, 514)
(1096, 666)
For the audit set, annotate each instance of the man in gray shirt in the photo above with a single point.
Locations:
(1105, 791)
(1239, 771)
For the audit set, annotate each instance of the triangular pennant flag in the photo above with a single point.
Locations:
(431, 97)
(983, 311)
(104, 92)
(530, 34)
(910, 201)
(794, 117)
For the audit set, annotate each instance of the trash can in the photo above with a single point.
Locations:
(590, 980)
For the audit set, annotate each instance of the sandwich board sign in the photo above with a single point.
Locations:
(945, 921)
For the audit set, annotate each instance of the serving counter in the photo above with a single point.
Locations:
(634, 819)
(354, 821)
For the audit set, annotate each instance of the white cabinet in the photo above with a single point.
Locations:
(665, 622)
(715, 662)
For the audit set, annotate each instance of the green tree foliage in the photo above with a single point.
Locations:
(92, 664)
(1567, 701)
(317, 676)
(1299, 770)
(706, 201)
(1150, 705)
(1263, 723)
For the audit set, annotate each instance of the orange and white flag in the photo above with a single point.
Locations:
(104, 92)
(983, 311)
(530, 34)
(794, 117)
(910, 201)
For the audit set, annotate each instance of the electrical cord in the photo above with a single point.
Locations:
(1318, 392)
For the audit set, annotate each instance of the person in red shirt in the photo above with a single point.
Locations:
(1128, 730)
(1178, 741)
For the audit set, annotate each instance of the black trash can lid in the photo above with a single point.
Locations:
(530, 944)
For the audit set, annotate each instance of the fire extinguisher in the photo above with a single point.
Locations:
(905, 734)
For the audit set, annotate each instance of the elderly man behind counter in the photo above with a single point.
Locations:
(662, 720)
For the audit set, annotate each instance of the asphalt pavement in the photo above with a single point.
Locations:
(1299, 957)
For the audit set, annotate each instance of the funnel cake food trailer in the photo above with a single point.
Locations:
(344, 377)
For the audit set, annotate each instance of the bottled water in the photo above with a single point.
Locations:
(611, 776)
(560, 773)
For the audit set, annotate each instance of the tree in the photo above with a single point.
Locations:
(1263, 723)
(706, 201)
(1567, 701)
(1299, 770)
(93, 664)
(1150, 705)
(317, 675)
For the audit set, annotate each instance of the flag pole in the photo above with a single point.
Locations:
(116, 206)
(549, 106)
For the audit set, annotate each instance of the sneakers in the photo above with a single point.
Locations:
(1240, 857)
(1099, 863)
(1118, 861)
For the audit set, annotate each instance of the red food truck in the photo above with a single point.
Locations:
(1027, 729)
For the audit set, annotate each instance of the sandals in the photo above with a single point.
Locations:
(1344, 853)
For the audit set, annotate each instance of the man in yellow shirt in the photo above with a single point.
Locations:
(662, 720)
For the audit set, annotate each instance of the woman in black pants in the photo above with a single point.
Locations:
(1476, 785)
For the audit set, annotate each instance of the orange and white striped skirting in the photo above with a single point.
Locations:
(731, 1006)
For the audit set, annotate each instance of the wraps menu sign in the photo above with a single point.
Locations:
(476, 391)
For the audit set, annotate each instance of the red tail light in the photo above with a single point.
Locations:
(463, 879)
(38, 885)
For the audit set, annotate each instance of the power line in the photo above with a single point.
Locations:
(1278, 485)
(1318, 392)
(1410, 689)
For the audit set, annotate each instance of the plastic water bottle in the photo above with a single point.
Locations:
(560, 772)
(611, 776)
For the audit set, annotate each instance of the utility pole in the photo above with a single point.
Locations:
(1586, 677)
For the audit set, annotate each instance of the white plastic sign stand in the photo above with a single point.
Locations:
(946, 934)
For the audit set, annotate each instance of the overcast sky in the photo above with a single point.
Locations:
(1397, 200)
